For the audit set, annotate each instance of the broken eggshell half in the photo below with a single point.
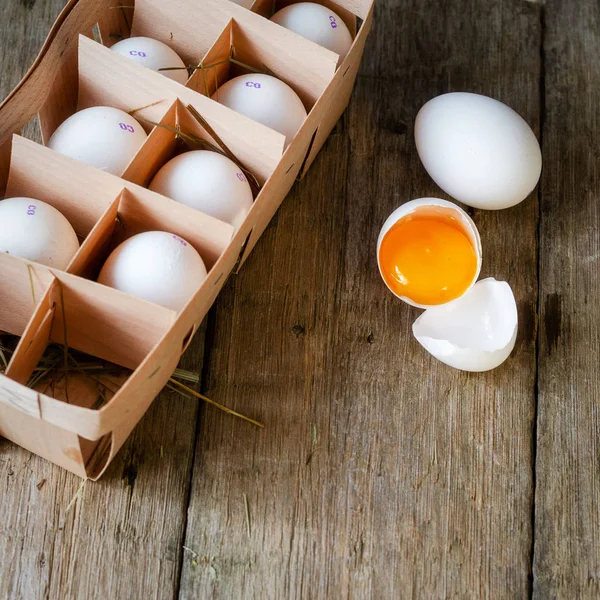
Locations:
(476, 332)
(426, 207)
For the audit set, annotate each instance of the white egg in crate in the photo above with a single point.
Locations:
(156, 266)
(318, 24)
(154, 55)
(103, 137)
(37, 231)
(265, 99)
(206, 181)
(476, 332)
(478, 150)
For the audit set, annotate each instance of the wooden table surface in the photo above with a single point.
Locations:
(381, 473)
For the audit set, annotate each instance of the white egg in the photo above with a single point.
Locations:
(154, 55)
(476, 332)
(206, 181)
(156, 266)
(316, 23)
(430, 206)
(265, 99)
(36, 231)
(102, 137)
(478, 150)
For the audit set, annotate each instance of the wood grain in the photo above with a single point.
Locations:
(122, 538)
(567, 509)
(23, 29)
(381, 473)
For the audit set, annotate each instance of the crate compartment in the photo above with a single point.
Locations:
(69, 191)
(136, 213)
(191, 36)
(93, 319)
(104, 87)
(181, 132)
(267, 47)
(93, 192)
(256, 146)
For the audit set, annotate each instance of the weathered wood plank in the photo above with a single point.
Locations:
(123, 538)
(567, 507)
(381, 473)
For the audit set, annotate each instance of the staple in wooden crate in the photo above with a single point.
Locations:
(19, 406)
(95, 320)
(36, 435)
(115, 23)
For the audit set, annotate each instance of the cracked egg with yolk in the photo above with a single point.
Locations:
(429, 252)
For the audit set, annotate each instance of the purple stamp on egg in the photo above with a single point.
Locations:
(31, 209)
(126, 127)
(332, 22)
(182, 242)
(240, 176)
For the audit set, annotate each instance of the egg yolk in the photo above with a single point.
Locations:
(428, 258)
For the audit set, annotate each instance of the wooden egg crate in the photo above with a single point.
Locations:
(67, 424)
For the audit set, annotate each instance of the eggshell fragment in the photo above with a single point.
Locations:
(156, 266)
(206, 181)
(316, 23)
(431, 204)
(154, 55)
(478, 150)
(265, 99)
(101, 136)
(37, 231)
(476, 332)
